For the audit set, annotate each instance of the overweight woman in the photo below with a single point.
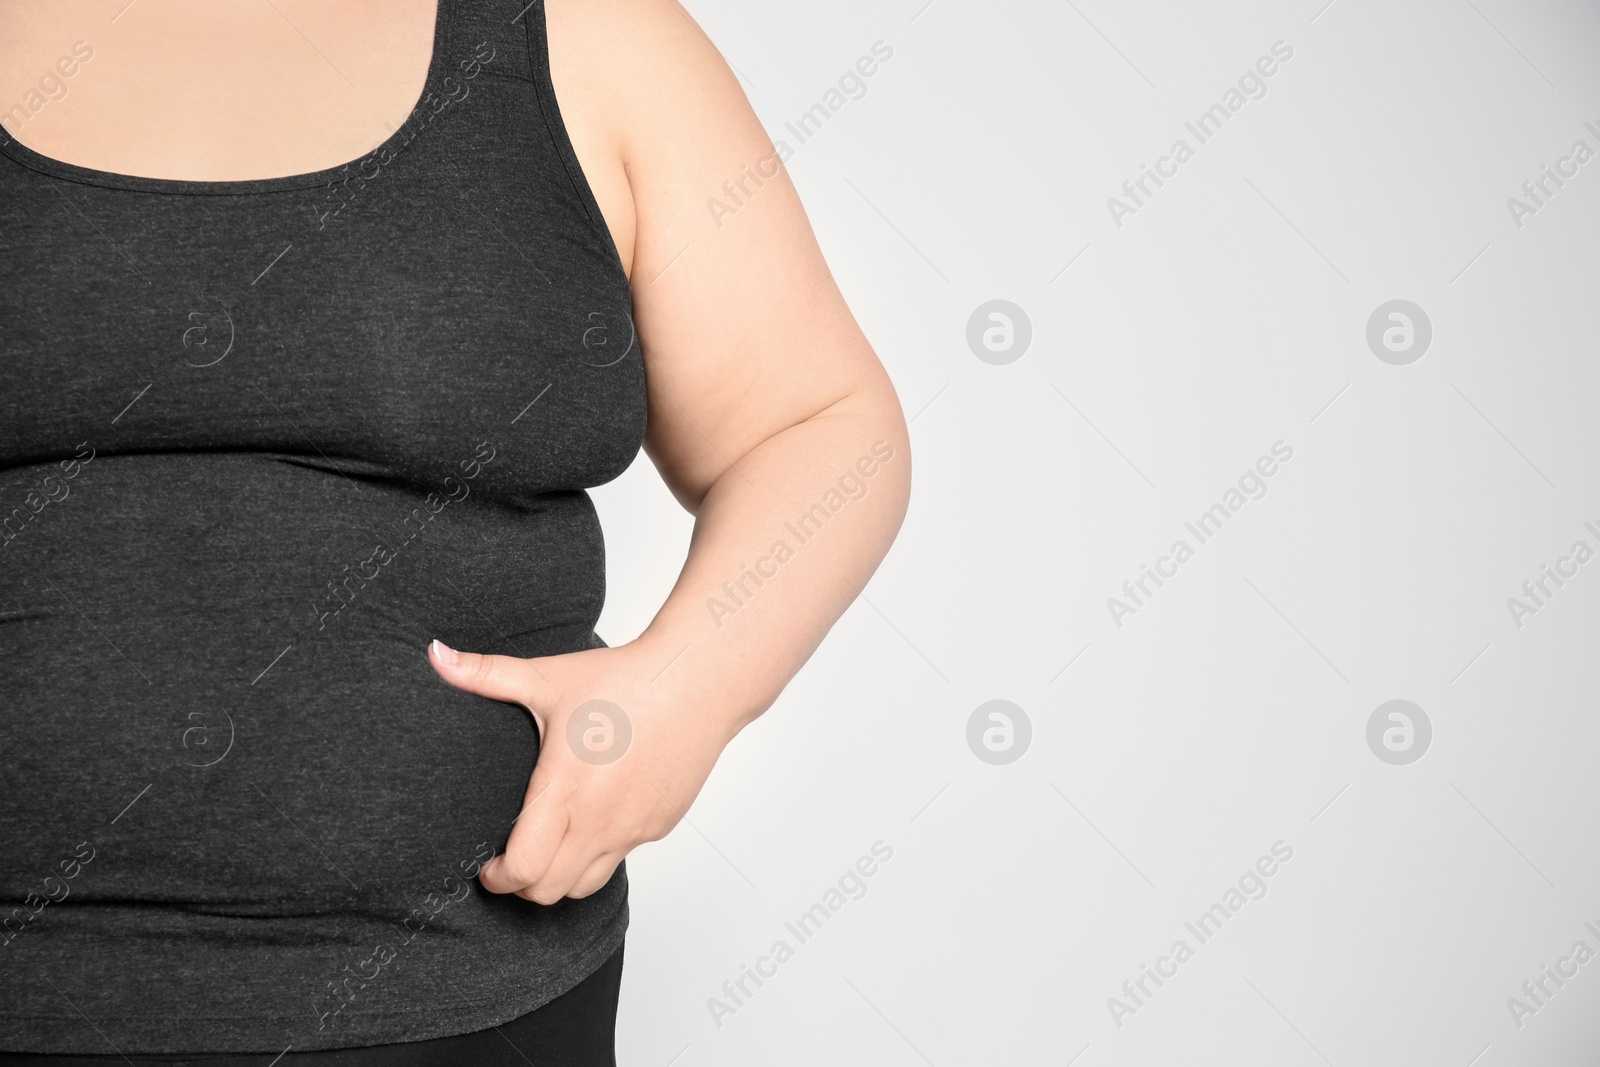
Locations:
(317, 319)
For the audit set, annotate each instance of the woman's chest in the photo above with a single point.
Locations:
(390, 329)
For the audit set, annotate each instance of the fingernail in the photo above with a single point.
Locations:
(446, 654)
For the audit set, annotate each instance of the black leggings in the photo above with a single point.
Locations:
(576, 1029)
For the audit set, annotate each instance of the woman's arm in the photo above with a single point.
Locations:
(771, 420)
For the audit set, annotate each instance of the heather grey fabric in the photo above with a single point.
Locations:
(259, 443)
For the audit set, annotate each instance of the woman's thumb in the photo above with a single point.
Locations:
(505, 678)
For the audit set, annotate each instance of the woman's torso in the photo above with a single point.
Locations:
(260, 442)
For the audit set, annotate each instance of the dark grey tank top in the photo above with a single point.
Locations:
(260, 441)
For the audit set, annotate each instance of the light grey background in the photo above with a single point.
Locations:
(1230, 713)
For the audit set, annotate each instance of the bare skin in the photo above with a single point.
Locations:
(764, 393)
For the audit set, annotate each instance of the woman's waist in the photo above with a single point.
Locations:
(311, 766)
(323, 788)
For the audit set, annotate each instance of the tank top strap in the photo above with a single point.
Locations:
(501, 37)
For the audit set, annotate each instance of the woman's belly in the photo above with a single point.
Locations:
(213, 669)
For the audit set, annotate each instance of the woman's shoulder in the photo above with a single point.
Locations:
(650, 105)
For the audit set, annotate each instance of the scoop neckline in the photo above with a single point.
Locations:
(60, 168)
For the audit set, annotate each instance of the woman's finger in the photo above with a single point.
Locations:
(595, 878)
(509, 679)
(558, 880)
(535, 839)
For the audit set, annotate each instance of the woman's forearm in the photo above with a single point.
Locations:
(783, 541)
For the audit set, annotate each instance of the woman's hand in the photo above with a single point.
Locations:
(619, 762)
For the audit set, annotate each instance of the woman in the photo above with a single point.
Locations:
(310, 748)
